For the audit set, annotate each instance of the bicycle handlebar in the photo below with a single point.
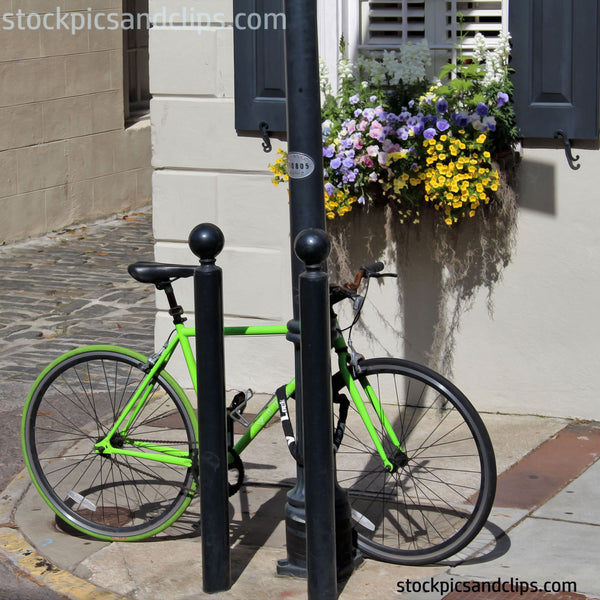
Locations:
(348, 290)
(372, 270)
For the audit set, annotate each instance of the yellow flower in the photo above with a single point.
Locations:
(481, 139)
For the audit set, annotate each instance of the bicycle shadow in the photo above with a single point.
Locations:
(257, 515)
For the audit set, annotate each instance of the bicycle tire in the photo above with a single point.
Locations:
(441, 490)
(72, 405)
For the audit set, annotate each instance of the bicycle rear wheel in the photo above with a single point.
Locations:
(441, 489)
(72, 406)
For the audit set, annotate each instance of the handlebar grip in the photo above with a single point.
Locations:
(374, 267)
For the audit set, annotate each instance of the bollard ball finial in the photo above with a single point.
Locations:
(312, 247)
(206, 241)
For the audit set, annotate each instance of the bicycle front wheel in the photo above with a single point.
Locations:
(72, 407)
(439, 490)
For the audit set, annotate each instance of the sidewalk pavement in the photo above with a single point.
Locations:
(543, 529)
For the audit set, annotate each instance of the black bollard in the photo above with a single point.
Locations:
(206, 241)
(313, 247)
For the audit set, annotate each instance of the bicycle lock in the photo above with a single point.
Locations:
(206, 241)
(309, 554)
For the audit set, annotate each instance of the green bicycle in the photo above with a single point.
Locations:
(110, 439)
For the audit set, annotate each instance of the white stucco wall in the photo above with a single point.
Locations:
(536, 351)
(539, 352)
(535, 354)
(204, 172)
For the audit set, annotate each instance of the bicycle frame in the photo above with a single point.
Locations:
(181, 337)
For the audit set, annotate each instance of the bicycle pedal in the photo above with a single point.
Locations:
(238, 405)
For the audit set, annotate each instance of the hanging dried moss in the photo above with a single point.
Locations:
(441, 269)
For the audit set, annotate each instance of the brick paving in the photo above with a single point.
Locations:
(71, 288)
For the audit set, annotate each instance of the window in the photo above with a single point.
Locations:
(136, 71)
(442, 22)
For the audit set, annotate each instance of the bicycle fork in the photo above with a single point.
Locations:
(399, 458)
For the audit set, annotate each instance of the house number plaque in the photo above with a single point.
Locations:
(299, 165)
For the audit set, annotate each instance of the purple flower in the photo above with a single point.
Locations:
(348, 163)
(442, 105)
(373, 98)
(482, 109)
(369, 113)
(442, 124)
(461, 119)
(361, 200)
(418, 128)
(336, 163)
(358, 112)
(328, 151)
(354, 99)
(402, 133)
(330, 189)
(502, 98)
(489, 123)
(430, 133)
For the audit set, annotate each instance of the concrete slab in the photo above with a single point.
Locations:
(171, 564)
(577, 502)
(545, 551)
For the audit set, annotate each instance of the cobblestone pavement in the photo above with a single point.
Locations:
(57, 292)
(72, 288)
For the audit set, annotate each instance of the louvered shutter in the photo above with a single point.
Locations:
(392, 23)
(441, 22)
(468, 18)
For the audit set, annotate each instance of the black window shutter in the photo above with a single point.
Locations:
(259, 53)
(555, 55)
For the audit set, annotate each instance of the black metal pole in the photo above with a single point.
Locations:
(313, 247)
(206, 241)
(307, 210)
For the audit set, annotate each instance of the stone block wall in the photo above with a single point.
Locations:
(65, 153)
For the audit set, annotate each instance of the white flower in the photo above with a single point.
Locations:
(480, 48)
(345, 69)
